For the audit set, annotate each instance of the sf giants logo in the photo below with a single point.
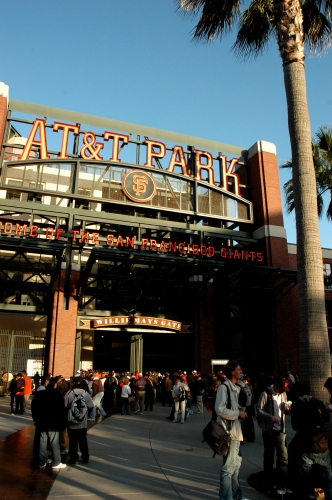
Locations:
(139, 186)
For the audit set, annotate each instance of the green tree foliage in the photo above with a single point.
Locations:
(322, 159)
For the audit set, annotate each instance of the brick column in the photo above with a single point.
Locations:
(4, 98)
(269, 229)
(62, 331)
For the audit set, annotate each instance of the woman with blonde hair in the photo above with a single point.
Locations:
(125, 393)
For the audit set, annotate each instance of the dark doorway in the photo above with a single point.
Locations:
(111, 351)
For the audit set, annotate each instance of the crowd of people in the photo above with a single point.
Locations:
(62, 408)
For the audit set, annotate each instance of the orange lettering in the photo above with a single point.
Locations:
(204, 166)
(66, 127)
(178, 159)
(151, 153)
(116, 139)
(40, 125)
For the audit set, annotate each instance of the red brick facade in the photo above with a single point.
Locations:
(62, 335)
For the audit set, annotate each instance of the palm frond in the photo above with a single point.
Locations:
(289, 196)
(329, 208)
(287, 164)
(254, 29)
(317, 27)
(324, 141)
(322, 159)
(216, 16)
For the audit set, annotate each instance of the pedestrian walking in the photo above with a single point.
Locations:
(228, 415)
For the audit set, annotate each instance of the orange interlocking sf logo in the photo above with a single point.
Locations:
(139, 184)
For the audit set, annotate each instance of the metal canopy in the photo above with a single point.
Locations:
(150, 283)
(140, 282)
(28, 270)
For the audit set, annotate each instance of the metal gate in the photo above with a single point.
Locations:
(21, 350)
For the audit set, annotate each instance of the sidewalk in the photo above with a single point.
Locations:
(131, 457)
(145, 456)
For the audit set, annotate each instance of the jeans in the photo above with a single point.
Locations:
(125, 406)
(275, 441)
(229, 475)
(96, 404)
(305, 463)
(182, 405)
(51, 437)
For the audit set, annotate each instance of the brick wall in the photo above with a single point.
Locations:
(3, 116)
(266, 197)
(62, 334)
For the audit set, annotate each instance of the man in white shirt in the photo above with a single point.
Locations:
(271, 409)
(228, 415)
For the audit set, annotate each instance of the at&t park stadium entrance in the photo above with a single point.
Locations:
(135, 249)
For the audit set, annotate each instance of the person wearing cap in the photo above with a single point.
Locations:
(272, 407)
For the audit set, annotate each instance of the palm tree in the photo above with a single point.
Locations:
(322, 159)
(294, 24)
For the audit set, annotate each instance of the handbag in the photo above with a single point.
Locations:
(217, 437)
(131, 399)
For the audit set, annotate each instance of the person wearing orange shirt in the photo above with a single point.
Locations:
(27, 389)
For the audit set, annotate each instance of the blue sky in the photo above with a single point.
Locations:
(134, 61)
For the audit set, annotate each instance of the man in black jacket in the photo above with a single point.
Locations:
(309, 446)
(50, 417)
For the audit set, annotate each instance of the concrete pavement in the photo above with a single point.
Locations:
(145, 456)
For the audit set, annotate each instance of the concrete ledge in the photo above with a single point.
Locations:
(263, 147)
(4, 91)
(326, 252)
(270, 231)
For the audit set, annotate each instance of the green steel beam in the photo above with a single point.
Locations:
(120, 126)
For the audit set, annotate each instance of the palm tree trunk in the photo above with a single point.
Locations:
(315, 364)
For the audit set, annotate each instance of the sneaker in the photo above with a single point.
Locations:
(174, 421)
(12, 413)
(41, 466)
(182, 421)
(91, 420)
(137, 411)
(60, 466)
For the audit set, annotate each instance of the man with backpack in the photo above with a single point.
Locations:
(78, 403)
(309, 447)
(271, 409)
(179, 395)
(228, 415)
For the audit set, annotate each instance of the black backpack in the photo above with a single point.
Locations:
(182, 393)
(77, 409)
(216, 436)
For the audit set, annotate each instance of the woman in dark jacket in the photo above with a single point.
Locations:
(12, 391)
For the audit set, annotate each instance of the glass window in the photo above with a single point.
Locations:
(327, 275)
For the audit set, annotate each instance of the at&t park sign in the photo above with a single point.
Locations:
(155, 150)
(163, 177)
